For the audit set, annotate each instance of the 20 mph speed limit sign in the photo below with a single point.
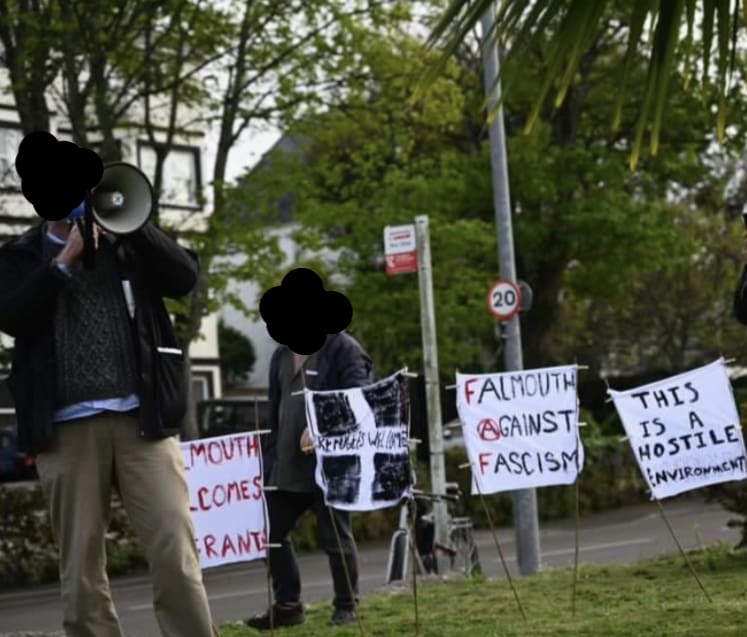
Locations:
(504, 299)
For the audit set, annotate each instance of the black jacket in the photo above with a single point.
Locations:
(341, 363)
(156, 266)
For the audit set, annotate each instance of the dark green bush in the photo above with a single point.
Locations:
(733, 497)
(28, 554)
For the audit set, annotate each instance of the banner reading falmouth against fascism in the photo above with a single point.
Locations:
(521, 428)
(684, 430)
(226, 498)
(360, 439)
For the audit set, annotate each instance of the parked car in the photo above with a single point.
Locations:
(14, 464)
(222, 417)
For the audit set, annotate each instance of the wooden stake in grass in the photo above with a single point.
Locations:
(347, 572)
(269, 594)
(497, 544)
(575, 561)
(414, 514)
(267, 547)
(334, 523)
(682, 551)
(414, 567)
(578, 514)
(332, 519)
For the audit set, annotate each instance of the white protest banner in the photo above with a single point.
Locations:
(360, 438)
(521, 428)
(684, 430)
(226, 498)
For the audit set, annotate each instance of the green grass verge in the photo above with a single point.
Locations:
(655, 598)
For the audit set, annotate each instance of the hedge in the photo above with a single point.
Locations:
(610, 479)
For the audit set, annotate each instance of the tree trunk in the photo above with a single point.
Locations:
(161, 153)
(33, 112)
(109, 150)
(539, 322)
(28, 88)
(189, 425)
(189, 330)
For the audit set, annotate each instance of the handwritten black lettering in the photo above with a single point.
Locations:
(696, 395)
(528, 463)
(665, 476)
(687, 442)
(508, 387)
(659, 398)
(694, 419)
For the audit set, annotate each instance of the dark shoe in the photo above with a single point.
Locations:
(283, 615)
(342, 616)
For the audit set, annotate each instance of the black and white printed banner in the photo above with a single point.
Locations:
(521, 428)
(684, 430)
(360, 438)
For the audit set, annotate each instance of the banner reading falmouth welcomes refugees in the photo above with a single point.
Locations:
(684, 430)
(361, 443)
(226, 498)
(521, 428)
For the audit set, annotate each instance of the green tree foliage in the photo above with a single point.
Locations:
(587, 230)
(237, 355)
(671, 317)
(665, 31)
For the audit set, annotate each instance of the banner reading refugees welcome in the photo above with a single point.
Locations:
(361, 443)
(226, 498)
(521, 428)
(684, 430)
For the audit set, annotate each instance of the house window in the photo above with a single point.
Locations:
(181, 174)
(200, 388)
(11, 136)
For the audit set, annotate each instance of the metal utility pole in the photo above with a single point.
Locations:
(430, 366)
(526, 523)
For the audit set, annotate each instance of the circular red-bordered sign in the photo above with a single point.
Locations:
(504, 299)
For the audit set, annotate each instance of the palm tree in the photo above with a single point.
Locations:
(570, 26)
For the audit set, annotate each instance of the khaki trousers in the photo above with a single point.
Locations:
(77, 474)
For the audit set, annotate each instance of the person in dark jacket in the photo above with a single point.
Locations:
(97, 380)
(289, 464)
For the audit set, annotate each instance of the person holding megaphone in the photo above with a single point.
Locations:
(98, 379)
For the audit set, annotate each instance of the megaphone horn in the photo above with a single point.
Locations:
(122, 201)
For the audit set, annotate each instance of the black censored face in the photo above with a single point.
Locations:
(300, 313)
(335, 416)
(56, 176)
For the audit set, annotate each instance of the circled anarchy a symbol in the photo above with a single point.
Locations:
(488, 430)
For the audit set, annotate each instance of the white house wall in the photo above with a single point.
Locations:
(256, 331)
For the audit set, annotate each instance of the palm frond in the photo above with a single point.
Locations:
(665, 43)
(641, 10)
(568, 27)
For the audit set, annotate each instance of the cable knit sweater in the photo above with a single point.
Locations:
(94, 340)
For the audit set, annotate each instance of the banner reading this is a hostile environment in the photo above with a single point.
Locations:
(684, 430)
(361, 444)
(226, 498)
(521, 428)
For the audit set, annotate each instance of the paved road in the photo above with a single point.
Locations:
(236, 591)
